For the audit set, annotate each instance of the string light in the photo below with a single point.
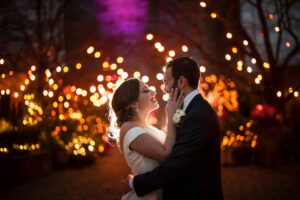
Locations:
(149, 36)
(172, 53)
(266, 65)
(90, 50)
(202, 69)
(159, 76)
(78, 66)
(145, 79)
(227, 57)
(202, 4)
(249, 69)
(120, 60)
(137, 74)
(213, 15)
(184, 48)
(97, 54)
(279, 94)
(229, 35)
(287, 44)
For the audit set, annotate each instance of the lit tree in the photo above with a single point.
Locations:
(33, 34)
(254, 42)
(33, 30)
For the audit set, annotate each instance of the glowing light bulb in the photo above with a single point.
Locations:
(97, 54)
(202, 4)
(184, 48)
(227, 57)
(213, 15)
(90, 50)
(202, 69)
(159, 76)
(279, 93)
(172, 53)
(149, 36)
(229, 35)
(120, 59)
(145, 79)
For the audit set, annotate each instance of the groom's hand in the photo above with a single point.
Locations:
(125, 184)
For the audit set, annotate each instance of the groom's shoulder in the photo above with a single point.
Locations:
(202, 106)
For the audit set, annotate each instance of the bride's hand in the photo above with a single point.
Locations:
(175, 101)
(125, 184)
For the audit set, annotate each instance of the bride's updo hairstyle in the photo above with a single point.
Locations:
(125, 95)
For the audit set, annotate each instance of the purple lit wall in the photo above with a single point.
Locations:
(125, 17)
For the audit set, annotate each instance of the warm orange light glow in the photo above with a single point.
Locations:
(78, 66)
(213, 15)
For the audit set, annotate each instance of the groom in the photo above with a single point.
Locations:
(192, 171)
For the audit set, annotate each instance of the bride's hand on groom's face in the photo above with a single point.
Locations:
(175, 101)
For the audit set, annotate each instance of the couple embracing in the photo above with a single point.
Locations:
(184, 162)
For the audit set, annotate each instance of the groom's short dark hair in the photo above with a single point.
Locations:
(187, 67)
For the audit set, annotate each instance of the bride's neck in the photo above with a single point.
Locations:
(142, 119)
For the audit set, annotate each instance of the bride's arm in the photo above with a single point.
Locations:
(151, 147)
(148, 145)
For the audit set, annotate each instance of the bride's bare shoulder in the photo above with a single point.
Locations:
(127, 126)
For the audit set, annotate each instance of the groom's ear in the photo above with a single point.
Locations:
(182, 82)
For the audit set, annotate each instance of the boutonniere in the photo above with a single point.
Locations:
(178, 115)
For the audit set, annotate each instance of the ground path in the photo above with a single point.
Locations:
(102, 181)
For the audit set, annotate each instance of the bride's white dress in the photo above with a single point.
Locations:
(138, 163)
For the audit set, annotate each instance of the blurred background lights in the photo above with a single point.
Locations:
(145, 79)
(172, 53)
(159, 76)
(202, 4)
(120, 59)
(202, 69)
(90, 50)
(136, 74)
(229, 35)
(149, 36)
(184, 48)
(100, 78)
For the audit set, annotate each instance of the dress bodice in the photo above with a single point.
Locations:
(138, 163)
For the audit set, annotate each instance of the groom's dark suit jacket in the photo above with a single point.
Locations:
(192, 171)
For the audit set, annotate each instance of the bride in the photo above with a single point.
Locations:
(143, 146)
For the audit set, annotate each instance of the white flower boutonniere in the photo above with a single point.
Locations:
(178, 115)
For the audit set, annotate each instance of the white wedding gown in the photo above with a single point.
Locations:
(138, 163)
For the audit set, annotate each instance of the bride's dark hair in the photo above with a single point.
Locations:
(125, 95)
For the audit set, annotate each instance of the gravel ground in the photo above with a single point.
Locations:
(102, 180)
